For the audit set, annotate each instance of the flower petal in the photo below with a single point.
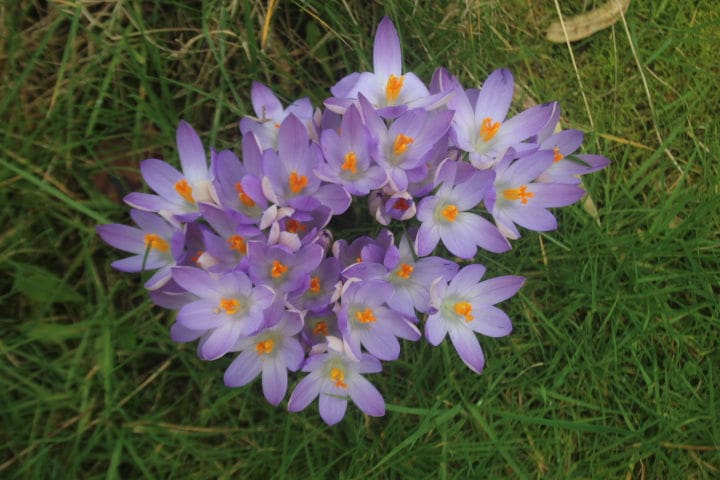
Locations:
(366, 396)
(468, 347)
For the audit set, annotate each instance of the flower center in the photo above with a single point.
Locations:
(315, 284)
(230, 305)
(237, 243)
(153, 240)
(293, 226)
(265, 347)
(337, 376)
(405, 271)
(278, 269)
(518, 194)
(183, 188)
(350, 162)
(297, 182)
(243, 197)
(393, 87)
(464, 309)
(557, 156)
(320, 328)
(488, 129)
(366, 316)
(401, 204)
(401, 143)
(450, 212)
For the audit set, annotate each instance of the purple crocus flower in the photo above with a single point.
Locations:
(348, 156)
(157, 245)
(228, 249)
(318, 327)
(386, 205)
(515, 198)
(270, 114)
(229, 308)
(465, 306)
(238, 185)
(282, 270)
(445, 216)
(177, 193)
(364, 319)
(479, 125)
(336, 376)
(568, 170)
(290, 179)
(387, 88)
(273, 351)
(322, 287)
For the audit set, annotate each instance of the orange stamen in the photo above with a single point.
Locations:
(337, 376)
(237, 243)
(183, 188)
(488, 129)
(265, 347)
(153, 240)
(243, 197)
(393, 87)
(464, 309)
(320, 328)
(297, 182)
(230, 305)
(450, 212)
(518, 194)
(293, 226)
(195, 258)
(365, 317)
(401, 143)
(401, 204)
(557, 156)
(350, 162)
(315, 284)
(405, 271)
(278, 269)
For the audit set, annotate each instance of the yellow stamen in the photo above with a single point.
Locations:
(230, 305)
(183, 188)
(393, 87)
(464, 309)
(278, 269)
(518, 194)
(337, 376)
(320, 328)
(488, 129)
(265, 347)
(350, 162)
(153, 240)
(557, 156)
(293, 226)
(315, 284)
(401, 143)
(237, 243)
(405, 271)
(243, 197)
(297, 182)
(365, 317)
(450, 212)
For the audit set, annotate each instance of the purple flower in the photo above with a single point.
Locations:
(318, 327)
(334, 376)
(282, 270)
(270, 115)
(157, 245)
(568, 170)
(322, 287)
(348, 156)
(516, 199)
(465, 306)
(238, 185)
(479, 125)
(364, 319)
(445, 216)
(229, 307)
(273, 351)
(290, 179)
(177, 193)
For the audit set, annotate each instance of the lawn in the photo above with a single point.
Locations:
(613, 365)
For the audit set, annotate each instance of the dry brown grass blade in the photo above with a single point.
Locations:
(583, 25)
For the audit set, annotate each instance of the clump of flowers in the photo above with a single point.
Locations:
(241, 249)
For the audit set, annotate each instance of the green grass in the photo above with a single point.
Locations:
(612, 370)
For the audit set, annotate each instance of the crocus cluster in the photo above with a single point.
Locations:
(241, 246)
